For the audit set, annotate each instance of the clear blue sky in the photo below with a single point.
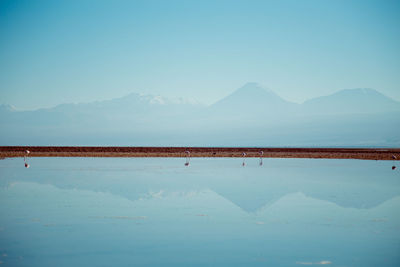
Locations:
(54, 52)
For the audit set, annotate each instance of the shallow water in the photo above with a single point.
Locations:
(215, 212)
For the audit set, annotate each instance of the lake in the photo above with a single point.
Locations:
(214, 212)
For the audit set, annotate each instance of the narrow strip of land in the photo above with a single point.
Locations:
(266, 152)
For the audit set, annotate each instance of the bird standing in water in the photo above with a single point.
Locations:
(27, 152)
(394, 158)
(187, 158)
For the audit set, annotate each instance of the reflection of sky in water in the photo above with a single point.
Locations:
(130, 212)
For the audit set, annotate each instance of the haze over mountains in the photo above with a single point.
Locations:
(250, 116)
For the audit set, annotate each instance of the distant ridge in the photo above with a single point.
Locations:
(359, 100)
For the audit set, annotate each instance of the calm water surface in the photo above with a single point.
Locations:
(157, 212)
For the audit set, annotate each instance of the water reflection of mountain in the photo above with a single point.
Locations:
(252, 199)
(349, 184)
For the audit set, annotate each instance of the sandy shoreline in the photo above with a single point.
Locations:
(268, 152)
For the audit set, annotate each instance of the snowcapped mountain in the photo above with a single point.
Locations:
(133, 102)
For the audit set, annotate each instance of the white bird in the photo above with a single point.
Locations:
(261, 159)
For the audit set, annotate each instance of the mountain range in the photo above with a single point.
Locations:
(250, 116)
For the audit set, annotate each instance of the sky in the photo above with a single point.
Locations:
(54, 52)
